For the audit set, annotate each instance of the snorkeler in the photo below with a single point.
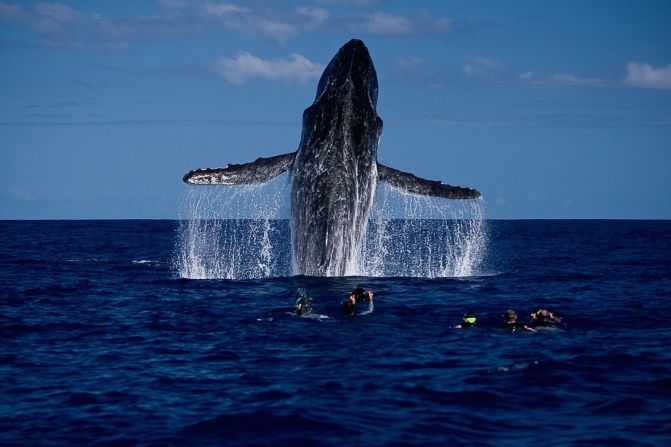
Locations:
(304, 306)
(511, 323)
(543, 318)
(357, 296)
(469, 321)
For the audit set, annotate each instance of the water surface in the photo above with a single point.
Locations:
(102, 344)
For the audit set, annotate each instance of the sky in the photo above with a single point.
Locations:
(552, 109)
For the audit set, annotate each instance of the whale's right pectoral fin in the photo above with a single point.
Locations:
(416, 185)
(259, 171)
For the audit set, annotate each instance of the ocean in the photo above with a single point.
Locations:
(103, 344)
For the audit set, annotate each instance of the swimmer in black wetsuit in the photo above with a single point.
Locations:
(304, 306)
(469, 321)
(511, 323)
(543, 318)
(358, 295)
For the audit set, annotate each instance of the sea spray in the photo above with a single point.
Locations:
(421, 236)
(242, 232)
(233, 232)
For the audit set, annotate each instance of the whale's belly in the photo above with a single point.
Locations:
(330, 206)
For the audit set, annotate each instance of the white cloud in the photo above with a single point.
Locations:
(246, 66)
(382, 23)
(221, 9)
(60, 25)
(527, 76)
(349, 2)
(428, 23)
(559, 80)
(231, 16)
(58, 12)
(174, 3)
(647, 76)
(316, 16)
(277, 30)
(482, 66)
(57, 24)
(410, 62)
(390, 24)
(568, 79)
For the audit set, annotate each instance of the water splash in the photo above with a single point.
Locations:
(233, 232)
(419, 236)
(242, 232)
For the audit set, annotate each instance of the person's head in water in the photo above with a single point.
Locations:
(510, 317)
(303, 306)
(510, 320)
(357, 295)
(469, 320)
(543, 317)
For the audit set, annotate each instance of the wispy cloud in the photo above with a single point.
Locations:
(349, 2)
(479, 66)
(571, 80)
(61, 25)
(314, 16)
(223, 9)
(646, 76)
(382, 23)
(245, 67)
(409, 62)
(243, 19)
(557, 80)
(58, 24)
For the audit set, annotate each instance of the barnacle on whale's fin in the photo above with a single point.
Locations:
(416, 185)
(259, 171)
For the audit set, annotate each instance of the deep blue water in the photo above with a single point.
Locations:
(101, 344)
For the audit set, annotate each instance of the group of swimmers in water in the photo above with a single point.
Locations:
(350, 306)
(541, 318)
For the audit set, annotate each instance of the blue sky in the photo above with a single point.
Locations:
(552, 109)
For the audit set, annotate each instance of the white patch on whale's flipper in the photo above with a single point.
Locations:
(259, 171)
(417, 185)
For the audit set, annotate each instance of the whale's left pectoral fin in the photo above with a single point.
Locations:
(416, 185)
(259, 171)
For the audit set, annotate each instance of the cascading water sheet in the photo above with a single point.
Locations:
(421, 236)
(234, 232)
(242, 232)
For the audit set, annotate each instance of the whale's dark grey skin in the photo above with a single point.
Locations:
(334, 172)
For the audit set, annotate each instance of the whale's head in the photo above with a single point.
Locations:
(350, 71)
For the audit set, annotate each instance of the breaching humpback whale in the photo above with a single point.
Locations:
(334, 172)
